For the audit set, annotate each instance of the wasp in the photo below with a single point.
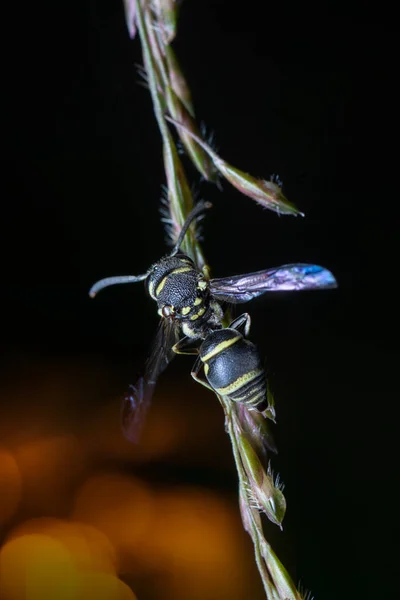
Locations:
(190, 306)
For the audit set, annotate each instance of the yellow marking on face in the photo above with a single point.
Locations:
(181, 270)
(185, 310)
(239, 382)
(206, 369)
(202, 284)
(220, 347)
(161, 285)
(198, 314)
(198, 301)
(151, 289)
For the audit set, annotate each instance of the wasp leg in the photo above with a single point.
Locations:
(195, 374)
(186, 346)
(242, 324)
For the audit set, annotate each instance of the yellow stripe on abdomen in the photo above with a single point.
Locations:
(239, 382)
(220, 347)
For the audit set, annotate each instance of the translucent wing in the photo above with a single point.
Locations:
(138, 399)
(298, 276)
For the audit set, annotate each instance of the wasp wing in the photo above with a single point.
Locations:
(138, 399)
(293, 277)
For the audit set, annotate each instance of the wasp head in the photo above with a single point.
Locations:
(179, 288)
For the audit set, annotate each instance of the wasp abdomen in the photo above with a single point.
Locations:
(233, 367)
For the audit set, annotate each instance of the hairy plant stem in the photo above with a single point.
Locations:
(174, 189)
(180, 202)
(276, 581)
(243, 496)
(248, 431)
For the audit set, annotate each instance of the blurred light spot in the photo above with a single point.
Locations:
(119, 506)
(100, 586)
(90, 547)
(176, 425)
(10, 485)
(195, 538)
(170, 539)
(37, 567)
(162, 433)
(104, 557)
(49, 468)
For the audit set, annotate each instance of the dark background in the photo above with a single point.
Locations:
(303, 93)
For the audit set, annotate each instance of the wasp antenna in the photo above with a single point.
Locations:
(200, 207)
(103, 283)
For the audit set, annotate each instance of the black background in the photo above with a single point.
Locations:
(305, 93)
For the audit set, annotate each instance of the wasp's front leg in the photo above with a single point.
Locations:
(195, 373)
(186, 345)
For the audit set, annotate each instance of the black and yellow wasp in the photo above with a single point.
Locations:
(189, 304)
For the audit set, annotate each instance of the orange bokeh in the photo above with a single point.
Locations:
(120, 507)
(162, 434)
(102, 586)
(171, 538)
(49, 467)
(36, 566)
(195, 541)
(91, 549)
(10, 486)
(167, 543)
